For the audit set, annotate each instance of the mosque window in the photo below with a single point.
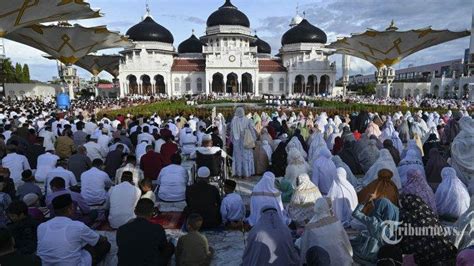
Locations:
(199, 84)
(282, 84)
(176, 84)
(260, 84)
(270, 84)
(188, 84)
(225, 41)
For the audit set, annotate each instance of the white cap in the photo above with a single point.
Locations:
(204, 172)
(30, 199)
(206, 137)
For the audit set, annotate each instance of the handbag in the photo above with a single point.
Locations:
(249, 142)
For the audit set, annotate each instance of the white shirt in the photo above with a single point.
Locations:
(122, 198)
(49, 139)
(7, 134)
(93, 184)
(45, 163)
(16, 163)
(67, 175)
(188, 143)
(103, 141)
(145, 137)
(61, 242)
(94, 151)
(90, 127)
(208, 151)
(158, 144)
(172, 181)
(140, 150)
(136, 171)
(232, 208)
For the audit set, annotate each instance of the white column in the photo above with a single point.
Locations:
(346, 66)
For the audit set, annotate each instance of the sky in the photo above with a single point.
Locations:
(270, 18)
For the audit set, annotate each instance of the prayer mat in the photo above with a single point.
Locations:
(169, 220)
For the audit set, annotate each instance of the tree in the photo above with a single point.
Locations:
(9, 71)
(26, 73)
(18, 73)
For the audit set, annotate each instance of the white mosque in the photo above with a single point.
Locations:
(228, 59)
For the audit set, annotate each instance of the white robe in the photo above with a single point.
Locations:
(452, 197)
(343, 196)
(324, 171)
(385, 161)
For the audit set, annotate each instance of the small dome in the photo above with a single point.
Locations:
(262, 46)
(190, 45)
(228, 14)
(149, 31)
(304, 32)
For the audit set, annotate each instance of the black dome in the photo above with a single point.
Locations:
(262, 46)
(228, 14)
(191, 45)
(304, 32)
(149, 31)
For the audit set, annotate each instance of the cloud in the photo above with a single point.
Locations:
(191, 19)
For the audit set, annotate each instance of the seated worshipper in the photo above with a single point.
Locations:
(410, 162)
(301, 207)
(326, 231)
(382, 187)
(94, 183)
(122, 200)
(5, 201)
(430, 143)
(151, 163)
(193, 248)
(79, 163)
(114, 160)
(384, 161)
(60, 171)
(343, 197)
(64, 146)
(263, 194)
(32, 201)
(388, 144)
(131, 166)
(28, 186)
(452, 196)
(367, 244)
(188, 142)
(262, 155)
(368, 155)
(82, 213)
(317, 256)
(207, 148)
(146, 186)
(11, 256)
(349, 157)
(462, 154)
(464, 228)
(172, 181)
(279, 160)
(151, 247)
(296, 166)
(317, 144)
(269, 242)
(168, 149)
(204, 199)
(23, 227)
(350, 176)
(416, 185)
(427, 249)
(45, 163)
(411, 145)
(15, 163)
(232, 206)
(433, 168)
(62, 239)
(140, 150)
(94, 150)
(324, 171)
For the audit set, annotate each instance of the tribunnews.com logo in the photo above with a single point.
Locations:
(393, 232)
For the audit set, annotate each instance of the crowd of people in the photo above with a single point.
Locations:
(326, 186)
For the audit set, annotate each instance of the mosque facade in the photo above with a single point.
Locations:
(228, 59)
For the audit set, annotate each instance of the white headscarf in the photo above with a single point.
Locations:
(464, 226)
(452, 197)
(462, 155)
(385, 161)
(295, 143)
(268, 149)
(296, 166)
(239, 123)
(343, 196)
(324, 171)
(317, 144)
(266, 194)
(411, 161)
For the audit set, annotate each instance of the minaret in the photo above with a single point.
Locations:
(346, 65)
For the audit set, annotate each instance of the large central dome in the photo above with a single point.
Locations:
(228, 14)
(304, 32)
(149, 31)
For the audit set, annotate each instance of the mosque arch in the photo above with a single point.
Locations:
(187, 83)
(232, 84)
(465, 91)
(312, 86)
(177, 85)
(132, 84)
(436, 91)
(270, 84)
(324, 84)
(416, 92)
(299, 84)
(218, 83)
(160, 87)
(247, 83)
(425, 92)
(146, 84)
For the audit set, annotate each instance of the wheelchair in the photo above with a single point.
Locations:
(216, 165)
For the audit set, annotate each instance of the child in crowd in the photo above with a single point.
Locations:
(193, 249)
(147, 190)
(32, 201)
(232, 206)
